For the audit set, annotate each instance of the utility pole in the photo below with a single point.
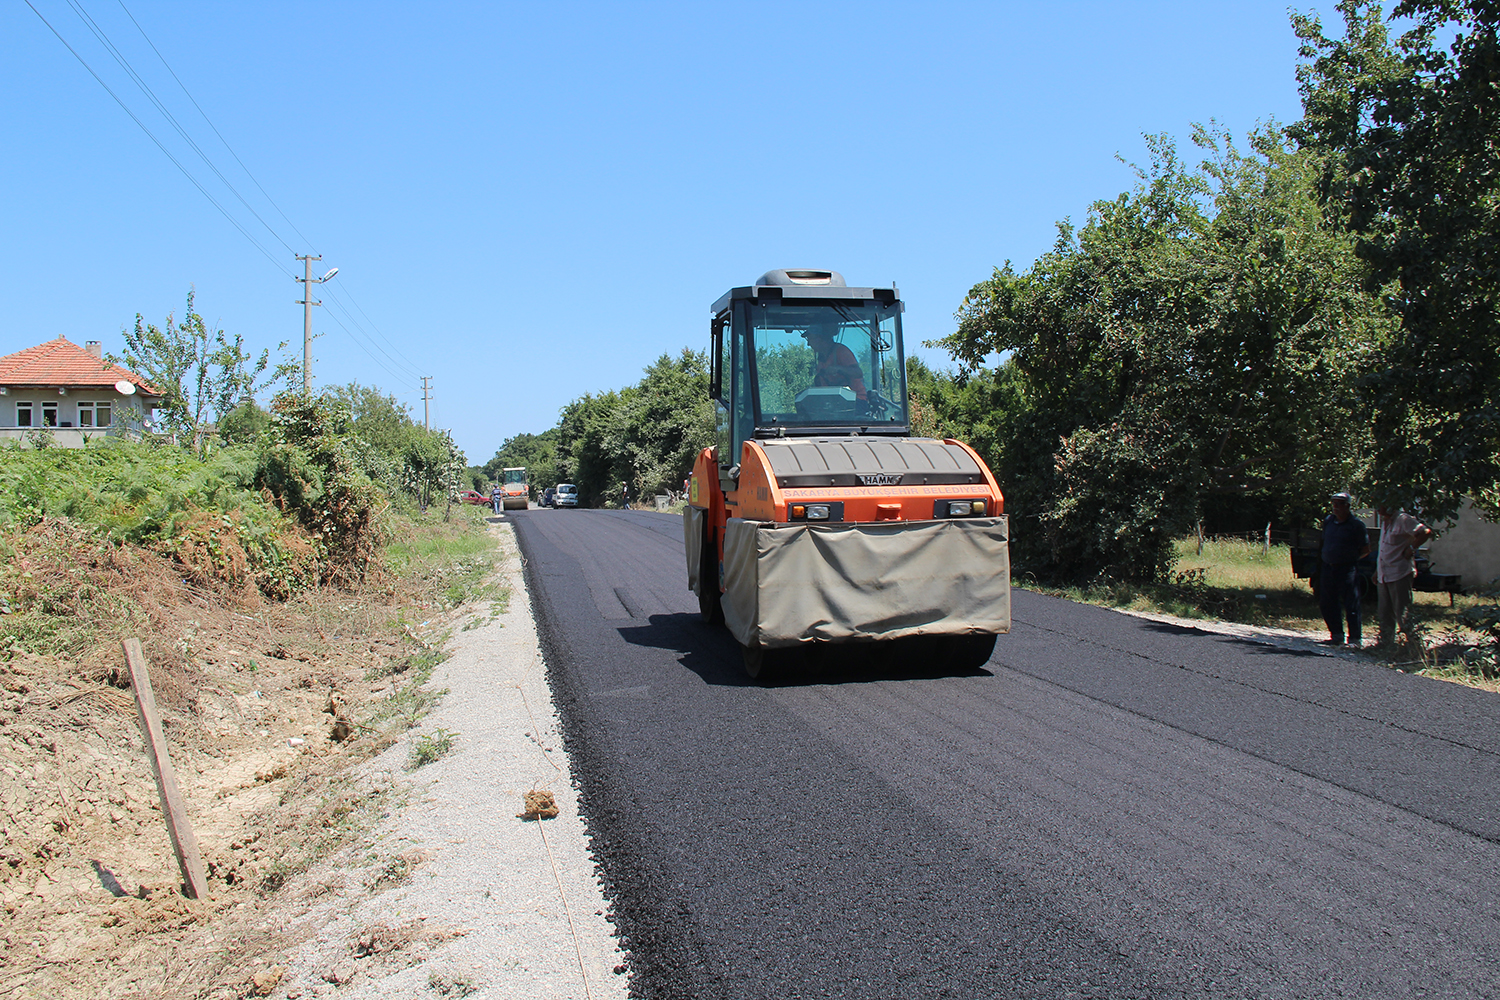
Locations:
(306, 302)
(426, 398)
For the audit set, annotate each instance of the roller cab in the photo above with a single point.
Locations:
(515, 492)
(817, 517)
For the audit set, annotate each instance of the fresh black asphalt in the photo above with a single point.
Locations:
(1111, 808)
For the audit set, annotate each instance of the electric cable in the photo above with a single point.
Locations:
(145, 88)
(402, 363)
(394, 355)
(400, 379)
(166, 152)
(366, 315)
(215, 128)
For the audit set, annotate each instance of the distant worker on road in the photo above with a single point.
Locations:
(495, 497)
(837, 365)
(1345, 543)
(625, 496)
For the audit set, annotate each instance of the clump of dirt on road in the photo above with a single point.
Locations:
(265, 707)
(539, 805)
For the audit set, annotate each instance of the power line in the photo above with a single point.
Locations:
(145, 88)
(400, 379)
(166, 152)
(216, 131)
(401, 363)
(413, 365)
(394, 355)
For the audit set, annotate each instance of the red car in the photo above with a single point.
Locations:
(474, 497)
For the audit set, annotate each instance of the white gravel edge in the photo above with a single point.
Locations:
(522, 894)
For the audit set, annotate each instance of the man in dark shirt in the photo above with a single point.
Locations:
(1345, 543)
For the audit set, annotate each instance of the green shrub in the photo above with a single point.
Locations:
(1120, 501)
(308, 472)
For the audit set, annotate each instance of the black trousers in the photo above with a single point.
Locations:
(1338, 597)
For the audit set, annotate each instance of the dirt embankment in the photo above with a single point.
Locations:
(265, 707)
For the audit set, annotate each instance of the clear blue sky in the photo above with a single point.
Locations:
(528, 202)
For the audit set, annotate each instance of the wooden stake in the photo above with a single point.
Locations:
(178, 827)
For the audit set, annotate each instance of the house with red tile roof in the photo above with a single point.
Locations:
(70, 393)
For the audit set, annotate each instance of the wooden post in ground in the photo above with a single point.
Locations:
(178, 827)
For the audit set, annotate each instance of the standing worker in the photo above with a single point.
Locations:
(1395, 569)
(495, 497)
(625, 496)
(1345, 543)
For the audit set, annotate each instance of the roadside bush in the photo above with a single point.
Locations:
(306, 470)
(203, 513)
(1116, 509)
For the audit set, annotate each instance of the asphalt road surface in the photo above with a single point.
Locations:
(1111, 808)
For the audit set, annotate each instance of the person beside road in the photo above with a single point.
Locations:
(1395, 569)
(625, 496)
(495, 497)
(1345, 543)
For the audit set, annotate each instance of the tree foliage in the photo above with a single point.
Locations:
(663, 423)
(1409, 133)
(536, 453)
(199, 371)
(307, 470)
(646, 435)
(1200, 335)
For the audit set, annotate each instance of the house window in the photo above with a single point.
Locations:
(94, 414)
(49, 414)
(23, 413)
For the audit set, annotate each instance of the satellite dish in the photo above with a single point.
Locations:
(125, 387)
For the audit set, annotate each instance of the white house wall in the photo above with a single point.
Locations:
(67, 433)
(1469, 547)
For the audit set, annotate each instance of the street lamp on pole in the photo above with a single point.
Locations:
(306, 302)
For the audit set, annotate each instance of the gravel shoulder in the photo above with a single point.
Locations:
(454, 894)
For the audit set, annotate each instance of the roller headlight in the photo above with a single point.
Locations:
(960, 508)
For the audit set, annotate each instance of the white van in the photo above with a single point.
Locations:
(566, 495)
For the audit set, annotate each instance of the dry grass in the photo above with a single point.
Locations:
(265, 705)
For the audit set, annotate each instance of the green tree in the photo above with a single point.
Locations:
(245, 424)
(1200, 335)
(199, 371)
(307, 469)
(434, 467)
(663, 424)
(1410, 135)
(536, 453)
(585, 446)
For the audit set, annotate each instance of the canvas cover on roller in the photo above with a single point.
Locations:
(791, 583)
(692, 541)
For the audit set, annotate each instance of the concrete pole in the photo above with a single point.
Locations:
(307, 303)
